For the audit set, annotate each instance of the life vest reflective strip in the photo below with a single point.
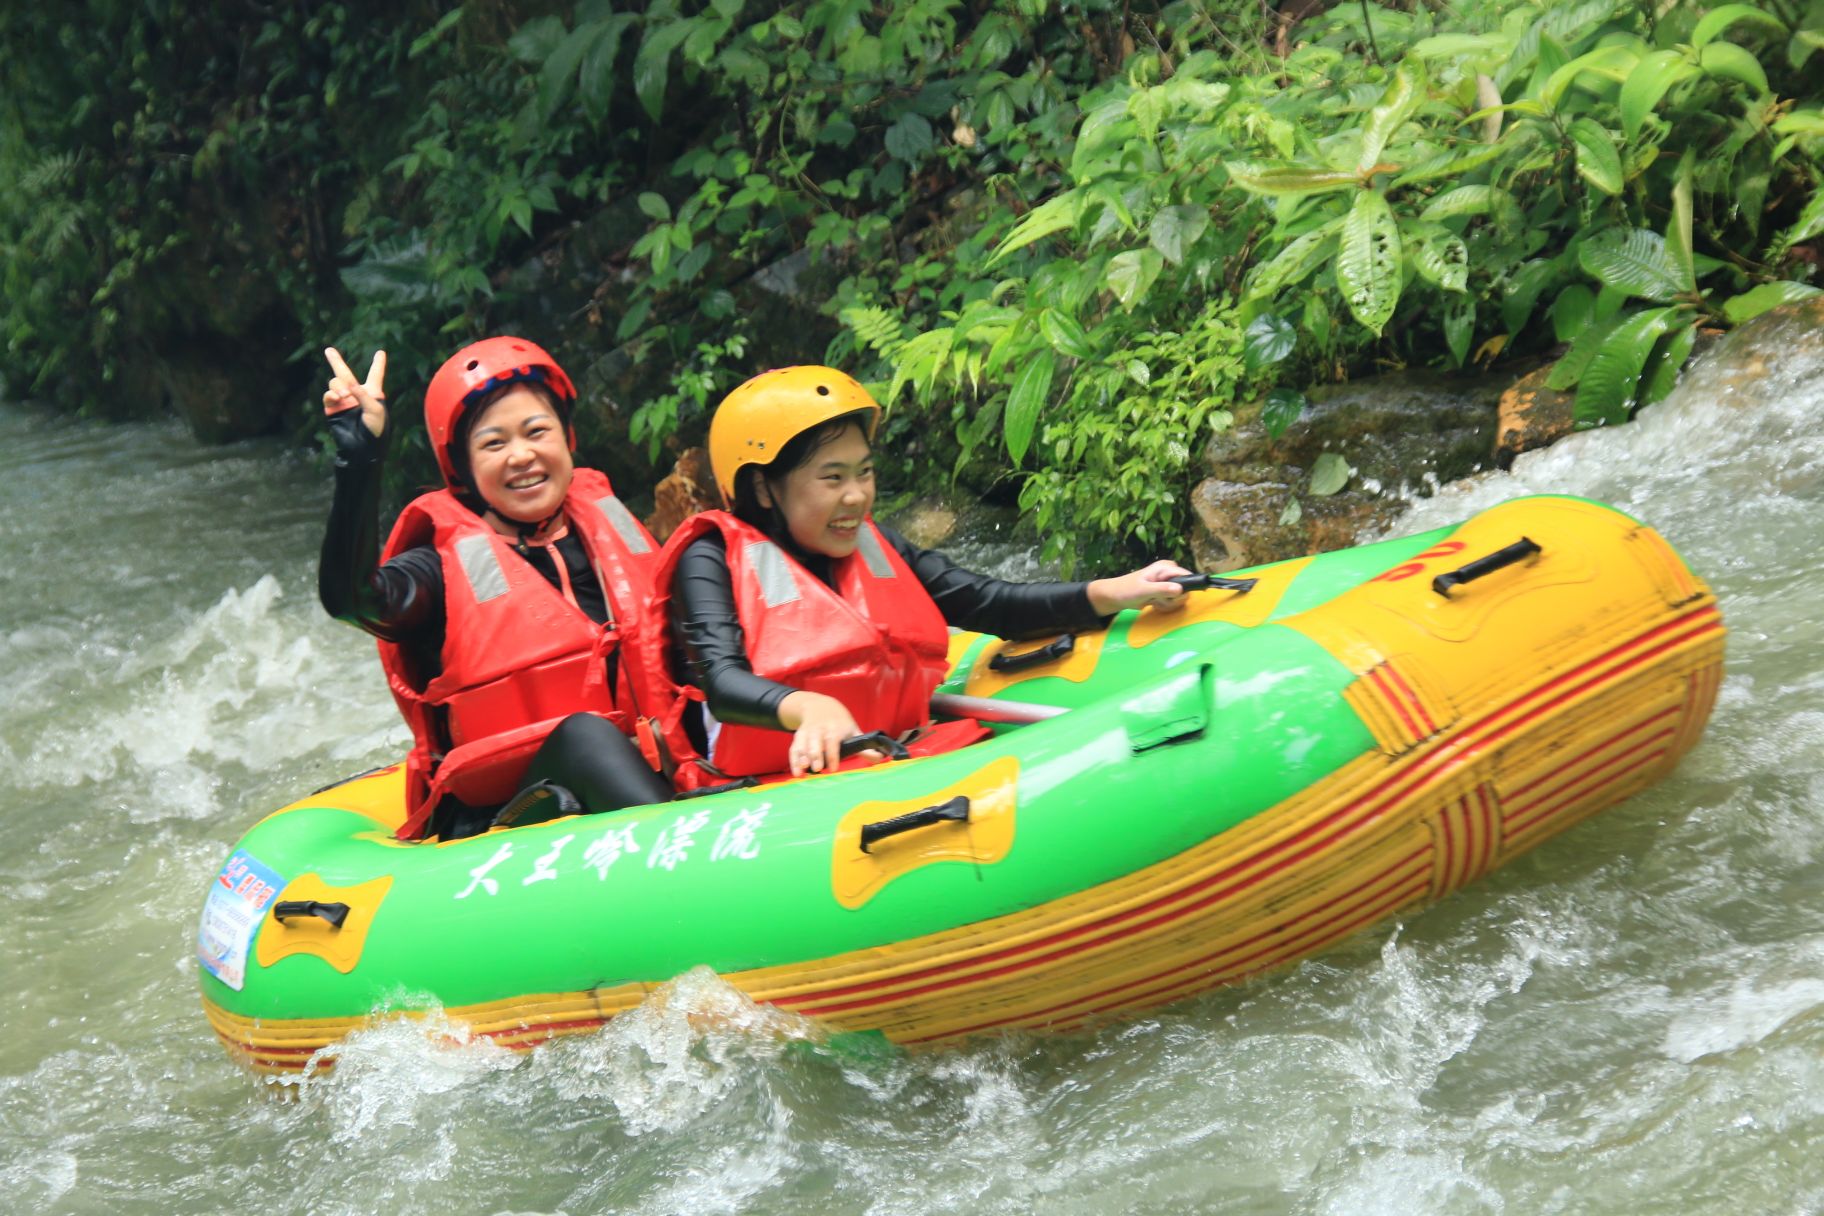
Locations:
(876, 642)
(517, 657)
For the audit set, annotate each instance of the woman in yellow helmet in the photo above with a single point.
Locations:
(800, 621)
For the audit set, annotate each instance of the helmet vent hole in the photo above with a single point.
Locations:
(823, 390)
(473, 364)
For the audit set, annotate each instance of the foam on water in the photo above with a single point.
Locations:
(1630, 1018)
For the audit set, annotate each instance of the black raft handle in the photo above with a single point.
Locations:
(335, 914)
(1519, 551)
(1051, 651)
(875, 740)
(1212, 582)
(954, 811)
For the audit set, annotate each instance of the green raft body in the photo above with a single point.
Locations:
(1109, 854)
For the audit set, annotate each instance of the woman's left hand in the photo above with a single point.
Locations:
(1145, 586)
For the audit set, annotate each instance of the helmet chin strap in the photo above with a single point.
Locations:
(531, 534)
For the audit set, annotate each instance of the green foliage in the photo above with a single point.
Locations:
(1067, 240)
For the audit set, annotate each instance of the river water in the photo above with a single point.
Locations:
(1629, 1019)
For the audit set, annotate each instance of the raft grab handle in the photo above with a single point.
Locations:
(1051, 651)
(1519, 551)
(954, 811)
(335, 914)
(1212, 582)
(877, 740)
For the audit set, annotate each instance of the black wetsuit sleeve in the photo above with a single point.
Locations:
(707, 626)
(400, 601)
(990, 605)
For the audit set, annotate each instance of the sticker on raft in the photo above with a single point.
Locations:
(231, 916)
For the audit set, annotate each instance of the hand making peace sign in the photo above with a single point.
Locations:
(346, 393)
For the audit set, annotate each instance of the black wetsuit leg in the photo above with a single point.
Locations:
(601, 766)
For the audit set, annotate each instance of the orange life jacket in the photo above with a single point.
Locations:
(876, 642)
(518, 656)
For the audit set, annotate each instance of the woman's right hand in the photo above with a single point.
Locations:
(818, 724)
(347, 393)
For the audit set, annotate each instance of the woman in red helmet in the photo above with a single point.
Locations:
(799, 621)
(500, 600)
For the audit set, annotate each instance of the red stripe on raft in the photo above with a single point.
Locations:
(1518, 810)
(1266, 960)
(1416, 859)
(1364, 915)
(1435, 768)
(1559, 770)
(1418, 705)
(1488, 829)
(1450, 850)
(1586, 794)
(1393, 701)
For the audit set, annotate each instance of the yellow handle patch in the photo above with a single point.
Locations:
(856, 877)
(340, 948)
(1077, 666)
(1243, 608)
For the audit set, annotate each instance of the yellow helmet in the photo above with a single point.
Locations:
(763, 415)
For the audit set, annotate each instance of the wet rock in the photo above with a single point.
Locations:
(690, 487)
(1782, 345)
(1531, 414)
(927, 522)
(1405, 431)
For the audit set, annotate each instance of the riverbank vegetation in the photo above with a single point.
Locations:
(1066, 241)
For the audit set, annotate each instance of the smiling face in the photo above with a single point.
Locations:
(519, 456)
(825, 499)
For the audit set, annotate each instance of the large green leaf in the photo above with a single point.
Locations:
(1633, 261)
(1524, 286)
(1065, 335)
(1613, 62)
(1267, 341)
(1055, 214)
(1289, 179)
(1572, 312)
(1598, 163)
(1679, 228)
(1368, 260)
(1459, 326)
(1668, 359)
(1717, 20)
(1491, 201)
(1571, 365)
(1803, 43)
(919, 360)
(910, 137)
(597, 76)
(559, 72)
(1176, 229)
(1282, 408)
(1329, 473)
(1031, 385)
(1439, 255)
(1131, 274)
(1757, 300)
(652, 65)
(1402, 97)
(1296, 261)
(1728, 61)
(1656, 72)
(1609, 385)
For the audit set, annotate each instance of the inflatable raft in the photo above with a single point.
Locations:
(1186, 800)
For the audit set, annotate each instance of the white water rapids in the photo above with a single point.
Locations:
(1629, 1019)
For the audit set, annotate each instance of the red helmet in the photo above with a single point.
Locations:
(479, 368)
